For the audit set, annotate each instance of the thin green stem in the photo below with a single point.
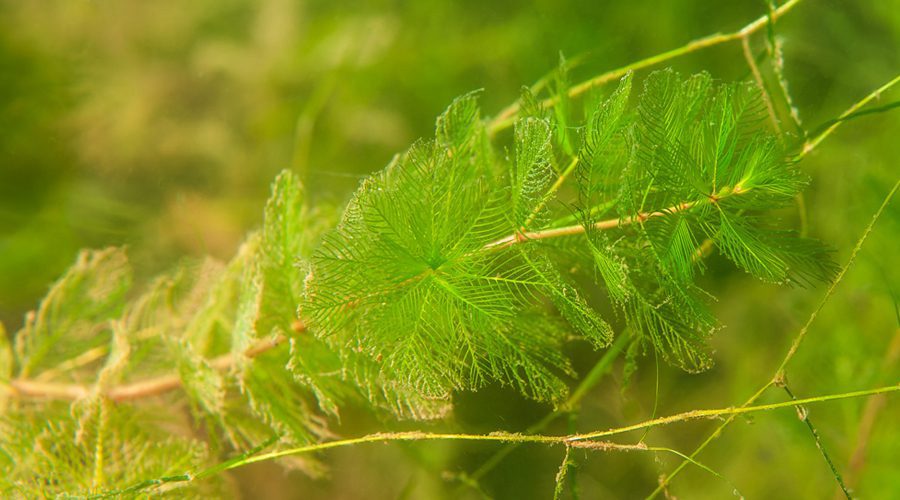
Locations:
(569, 63)
(811, 144)
(228, 463)
(777, 55)
(698, 464)
(506, 117)
(757, 76)
(655, 392)
(803, 414)
(599, 370)
(564, 467)
(502, 437)
(801, 335)
(306, 122)
(724, 412)
(802, 214)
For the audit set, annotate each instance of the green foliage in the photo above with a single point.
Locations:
(207, 321)
(165, 128)
(530, 174)
(90, 292)
(606, 142)
(181, 320)
(696, 160)
(403, 278)
(92, 448)
(414, 277)
(441, 276)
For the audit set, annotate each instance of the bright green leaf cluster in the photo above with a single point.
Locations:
(405, 280)
(432, 272)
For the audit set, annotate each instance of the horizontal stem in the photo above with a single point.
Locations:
(579, 440)
(507, 116)
(581, 229)
(155, 386)
(586, 441)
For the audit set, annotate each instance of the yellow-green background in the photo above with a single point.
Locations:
(159, 125)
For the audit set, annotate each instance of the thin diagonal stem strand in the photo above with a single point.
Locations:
(757, 76)
(699, 465)
(567, 463)
(811, 144)
(803, 414)
(506, 117)
(798, 339)
(722, 412)
(801, 335)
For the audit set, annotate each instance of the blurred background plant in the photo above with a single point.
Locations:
(160, 125)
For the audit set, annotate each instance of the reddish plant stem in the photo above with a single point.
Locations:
(155, 386)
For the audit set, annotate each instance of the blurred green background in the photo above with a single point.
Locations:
(160, 125)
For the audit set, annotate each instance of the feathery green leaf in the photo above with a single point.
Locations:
(90, 293)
